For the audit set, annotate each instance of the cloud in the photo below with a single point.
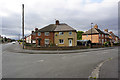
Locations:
(76, 13)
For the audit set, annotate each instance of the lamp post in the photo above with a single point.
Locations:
(91, 34)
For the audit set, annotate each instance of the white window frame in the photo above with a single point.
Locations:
(62, 42)
(70, 33)
(46, 40)
(47, 33)
(39, 33)
(102, 35)
(102, 41)
(99, 35)
(61, 33)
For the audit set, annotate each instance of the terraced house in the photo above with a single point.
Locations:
(96, 35)
(59, 34)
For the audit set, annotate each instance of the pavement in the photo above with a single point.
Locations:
(78, 64)
(18, 49)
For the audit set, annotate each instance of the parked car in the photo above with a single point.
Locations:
(13, 42)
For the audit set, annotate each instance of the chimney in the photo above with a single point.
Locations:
(57, 22)
(110, 32)
(106, 30)
(96, 26)
(32, 31)
(36, 29)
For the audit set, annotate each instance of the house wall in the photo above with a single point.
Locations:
(43, 37)
(66, 38)
(95, 38)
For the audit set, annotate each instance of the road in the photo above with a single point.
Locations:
(73, 65)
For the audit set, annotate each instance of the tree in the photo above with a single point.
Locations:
(79, 35)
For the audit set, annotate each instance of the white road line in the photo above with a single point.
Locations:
(40, 60)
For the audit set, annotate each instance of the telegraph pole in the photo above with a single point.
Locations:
(23, 24)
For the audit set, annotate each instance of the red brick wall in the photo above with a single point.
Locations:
(95, 38)
(43, 37)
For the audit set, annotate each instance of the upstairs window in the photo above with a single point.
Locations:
(47, 33)
(70, 33)
(61, 33)
(102, 35)
(39, 33)
(99, 35)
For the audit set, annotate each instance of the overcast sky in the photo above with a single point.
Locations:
(38, 13)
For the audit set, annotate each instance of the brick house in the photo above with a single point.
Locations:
(112, 36)
(96, 35)
(44, 36)
(65, 35)
(57, 34)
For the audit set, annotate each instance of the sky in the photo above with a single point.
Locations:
(78, 14)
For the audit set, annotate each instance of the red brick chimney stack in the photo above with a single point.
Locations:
(110, 31)
(36, 29)
(57, 22)
(96, 26)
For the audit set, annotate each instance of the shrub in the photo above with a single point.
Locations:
(106, 44)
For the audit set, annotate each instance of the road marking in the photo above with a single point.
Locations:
(95, 73)
(40, 60)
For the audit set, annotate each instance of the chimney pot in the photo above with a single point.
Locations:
(32, 31)
(57, 22)
(36, 29)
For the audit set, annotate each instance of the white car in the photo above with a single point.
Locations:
(13, 42)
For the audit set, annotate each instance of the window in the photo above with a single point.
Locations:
(39, 33)
(46, 41)
(60, 33)
(61, 41)
(102, 35)
(99, 40)
(99, 35)
(47, 33)
(70, 33)
(102, 41)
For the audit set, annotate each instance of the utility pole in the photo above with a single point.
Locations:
(23, 24)
(91, 34)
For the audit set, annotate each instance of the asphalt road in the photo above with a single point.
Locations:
(73, 65)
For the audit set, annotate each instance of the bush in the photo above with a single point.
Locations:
(52, 44)
(106, 44)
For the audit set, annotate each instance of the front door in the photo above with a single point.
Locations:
(39, 42)
(70, 42)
